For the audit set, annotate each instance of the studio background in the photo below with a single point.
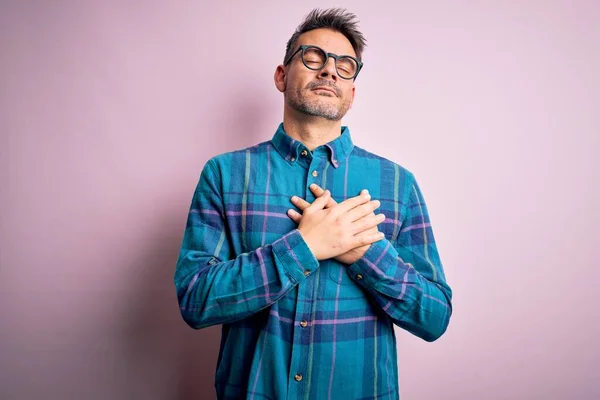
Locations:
(109, 110)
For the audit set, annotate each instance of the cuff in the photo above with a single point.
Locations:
(370, 269)
(295, 255)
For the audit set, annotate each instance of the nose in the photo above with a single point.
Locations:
(329, 69)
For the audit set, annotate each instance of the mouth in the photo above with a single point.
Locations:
(326, 89)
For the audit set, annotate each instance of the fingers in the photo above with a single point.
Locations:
(353, 202)
(367, 223)
(318, 191)
(362, 210)
(294, 215)
(321, 201)
(367, 237)
(300, 203)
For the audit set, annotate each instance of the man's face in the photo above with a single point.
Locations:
(301, 84)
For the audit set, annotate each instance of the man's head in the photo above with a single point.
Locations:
(300, 76)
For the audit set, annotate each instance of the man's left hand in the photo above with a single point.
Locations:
(351, 256)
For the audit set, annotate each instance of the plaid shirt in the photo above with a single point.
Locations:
(292, 326)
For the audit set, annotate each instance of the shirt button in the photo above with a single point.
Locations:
(304, 152)
(359, 277)
(293, 159)
(303, 324)
(315, 173)
(298, 377)
(306, 272)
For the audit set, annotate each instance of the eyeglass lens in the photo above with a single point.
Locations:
(315, 59)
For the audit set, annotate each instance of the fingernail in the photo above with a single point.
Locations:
(294, 199)
(313, 186)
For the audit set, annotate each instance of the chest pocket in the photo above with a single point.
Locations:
(338, 273)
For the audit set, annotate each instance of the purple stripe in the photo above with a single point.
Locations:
(275, 313)
(290, 249)
(263, 213)
(337, 321)
(387, 305)
(259, 366)
(382, 199)
(238, 213)
(385, 249)
(194, 279)
(263, 270)
(257, 193)
(404, 280)
(436, 299)
(424, 295)
(337, 296)
(374, 267)
(213, 212)
(416, 226)
(242, 301)
(387, 360)
(264, 232)
(319, 298)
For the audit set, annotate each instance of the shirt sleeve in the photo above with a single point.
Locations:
(215, 287)
(405, 278)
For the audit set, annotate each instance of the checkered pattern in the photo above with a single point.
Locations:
(292, 326)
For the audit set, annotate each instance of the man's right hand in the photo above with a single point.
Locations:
(332, 231)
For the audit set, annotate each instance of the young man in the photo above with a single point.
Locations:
(308, 299)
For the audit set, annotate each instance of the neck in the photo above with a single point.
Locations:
(311, 131)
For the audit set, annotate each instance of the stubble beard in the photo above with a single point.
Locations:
(297, 99)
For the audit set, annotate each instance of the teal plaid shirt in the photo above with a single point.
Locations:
(294, 327)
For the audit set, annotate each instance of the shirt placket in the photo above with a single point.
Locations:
(297, 378)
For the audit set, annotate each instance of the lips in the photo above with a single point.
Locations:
(326, 88)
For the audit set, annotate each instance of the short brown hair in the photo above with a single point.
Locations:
(337, 19)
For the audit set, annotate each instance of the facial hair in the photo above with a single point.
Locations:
(298, 99)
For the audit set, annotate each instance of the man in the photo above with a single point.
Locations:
(308, 298)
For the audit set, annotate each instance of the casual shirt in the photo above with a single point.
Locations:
(294, 327)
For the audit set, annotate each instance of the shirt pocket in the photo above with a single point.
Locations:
(338, 272)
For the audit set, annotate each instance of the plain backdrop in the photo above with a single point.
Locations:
(109, 110)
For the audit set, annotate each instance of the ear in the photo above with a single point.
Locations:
(279, 78)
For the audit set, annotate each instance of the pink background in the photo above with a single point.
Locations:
(109, 110)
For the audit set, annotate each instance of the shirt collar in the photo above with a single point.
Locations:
(339, 148)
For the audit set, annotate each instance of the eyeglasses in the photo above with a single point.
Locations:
(315, 58)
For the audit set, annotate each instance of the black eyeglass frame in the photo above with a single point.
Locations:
(304, 47)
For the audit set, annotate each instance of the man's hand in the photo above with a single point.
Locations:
(365, 225)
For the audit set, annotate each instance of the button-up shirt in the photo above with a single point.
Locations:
(294, 327)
